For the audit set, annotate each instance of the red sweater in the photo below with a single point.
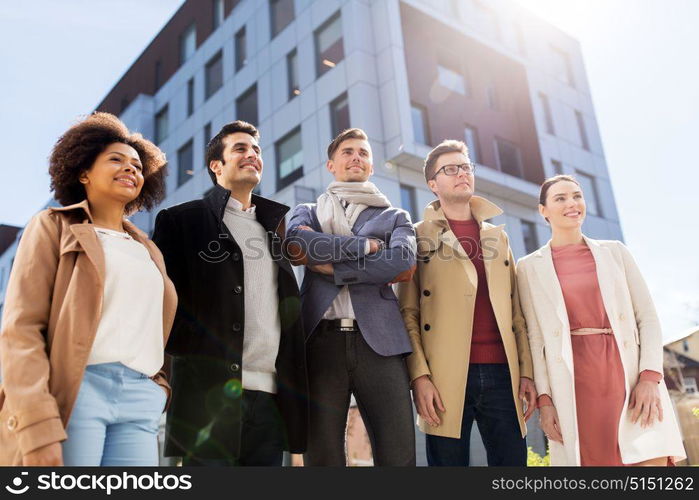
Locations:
(486, 343)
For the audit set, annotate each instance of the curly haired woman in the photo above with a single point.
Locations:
(88, 309)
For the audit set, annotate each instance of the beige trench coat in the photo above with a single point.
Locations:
(442, 349)
(638, 336)
(51, 313)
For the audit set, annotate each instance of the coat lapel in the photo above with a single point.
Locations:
(605, 277)
(492, 233)
(545, 274)
(449, 238)
(87, 239)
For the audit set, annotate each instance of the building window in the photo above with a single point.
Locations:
(557, 167)
(471, 140)
(589, 188)
(207, 138)
(685, 345)
(329, 46)
(339, 115)
(690, 385)
(531, 242)
(214, 74)
(492, 96)
(418, 114)
(124, 104)
(581, 129)
(190, 97)
(408, 201)
(451, 79)
(185, 163)
(188, 44)
(292, 71)
(548, 117)
(162, 125)
(218, 13)
(241, 49)
(158, 78)
(246, 106)
(487, 20)
(207, 133)
(289, 158)
(562, 68)
(509, 159)
(281, 14)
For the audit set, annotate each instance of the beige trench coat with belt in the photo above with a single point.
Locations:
(438, 305)
(637, 333)
(51, 313)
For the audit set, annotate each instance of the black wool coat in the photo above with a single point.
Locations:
(206, 343)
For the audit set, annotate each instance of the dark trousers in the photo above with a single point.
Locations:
(262, 435)
(489, 401)
(341, 364)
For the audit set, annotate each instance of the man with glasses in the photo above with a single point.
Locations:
(471, 358)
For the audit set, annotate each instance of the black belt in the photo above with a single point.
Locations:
(340, 325)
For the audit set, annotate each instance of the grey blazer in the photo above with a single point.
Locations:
(374, 303)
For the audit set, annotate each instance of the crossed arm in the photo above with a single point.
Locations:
(351, 259)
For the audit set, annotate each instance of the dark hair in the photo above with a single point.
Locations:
(77, 149)
(350, 133)
(544, 191)
(214, 149)
(447, 146)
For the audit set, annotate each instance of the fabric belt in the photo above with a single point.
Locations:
(592, 331)
(344, 325)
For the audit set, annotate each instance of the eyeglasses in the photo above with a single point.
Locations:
(468, 168)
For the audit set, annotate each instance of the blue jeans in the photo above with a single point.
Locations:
(489, 401)
(115, 419)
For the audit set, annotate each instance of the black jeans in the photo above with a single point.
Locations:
(341, 364)
(489, 401)
(262, 439)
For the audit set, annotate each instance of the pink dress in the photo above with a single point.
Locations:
(599, 373)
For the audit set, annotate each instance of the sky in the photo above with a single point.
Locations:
(59, 59)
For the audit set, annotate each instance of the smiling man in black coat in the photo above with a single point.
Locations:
(240, 393)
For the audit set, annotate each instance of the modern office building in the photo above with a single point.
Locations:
(408, 72)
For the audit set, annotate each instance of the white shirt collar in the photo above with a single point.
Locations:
(235, 204)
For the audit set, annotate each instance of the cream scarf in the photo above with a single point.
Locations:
(334, 218)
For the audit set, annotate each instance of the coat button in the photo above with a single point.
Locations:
(235, 256)
(12, 423)
(236, 327)
(626, 344)
(559, 359)
(235, 367)
(556, 333)
(427, 327)
(238, 289)
(507, 262)
(426, 293)
(621, 317)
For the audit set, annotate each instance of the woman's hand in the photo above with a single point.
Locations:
(548, 421)
(46, 456)
(645, 403)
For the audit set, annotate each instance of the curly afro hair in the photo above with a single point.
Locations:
(78, 148)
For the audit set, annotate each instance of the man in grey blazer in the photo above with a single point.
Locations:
(354, 244)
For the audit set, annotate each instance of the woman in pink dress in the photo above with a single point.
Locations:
(596, 344)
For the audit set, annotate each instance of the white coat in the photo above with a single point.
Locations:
(637, 332)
